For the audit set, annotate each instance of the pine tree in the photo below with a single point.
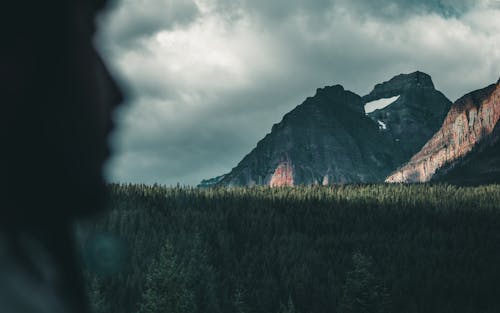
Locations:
(97, 301)
(200, 277)
(363, 293)
(239, 301)
(166, 287)
(289, 307)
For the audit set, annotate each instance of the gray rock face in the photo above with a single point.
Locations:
(415, 116)
(329, 139)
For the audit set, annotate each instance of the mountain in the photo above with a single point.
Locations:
(416, 114)
(326, 139)
(329, 138)
(465, 149)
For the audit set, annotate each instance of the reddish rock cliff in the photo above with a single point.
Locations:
(283, 175)
(471, 120)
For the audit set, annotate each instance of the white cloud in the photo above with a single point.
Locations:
(207, 88)
(132, 20)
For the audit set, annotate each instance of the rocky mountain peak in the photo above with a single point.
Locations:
(415, 114)
(400, 84)
(334, 96)
(330, 90)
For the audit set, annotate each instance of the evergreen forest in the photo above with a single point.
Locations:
(311, 249)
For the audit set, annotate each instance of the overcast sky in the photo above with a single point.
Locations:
(207, 79)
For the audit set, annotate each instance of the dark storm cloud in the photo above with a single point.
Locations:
(404, 8)
(211, 77)
(186, 148)
(132, 20)
(393, 9)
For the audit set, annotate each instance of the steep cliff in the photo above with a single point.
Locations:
(480, 166)
(469, 127)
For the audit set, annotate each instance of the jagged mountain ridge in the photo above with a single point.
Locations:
(468, 133)
(206, 183)
(329, 138)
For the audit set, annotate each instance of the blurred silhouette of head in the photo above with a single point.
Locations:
(57, 103)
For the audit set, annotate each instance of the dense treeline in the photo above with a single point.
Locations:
(377, 248)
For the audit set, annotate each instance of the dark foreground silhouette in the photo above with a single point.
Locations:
(57, 99)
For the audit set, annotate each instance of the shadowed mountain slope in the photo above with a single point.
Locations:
(417, 113)
(326, 139)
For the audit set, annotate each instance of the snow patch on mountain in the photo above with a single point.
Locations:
(379, 104)
(382, 125)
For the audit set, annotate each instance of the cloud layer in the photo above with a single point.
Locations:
(208, 78)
